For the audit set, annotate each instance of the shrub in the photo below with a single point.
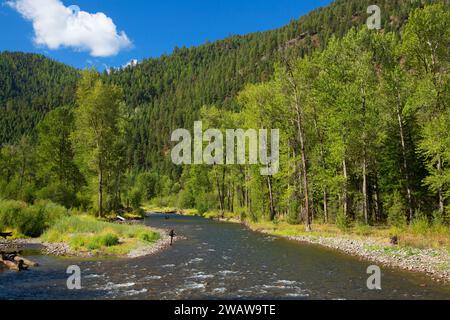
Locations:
(10, 212)
(30, 221)
(75, 242)
(397, 211)
(162, 202)
(147, 236)
(342, 221)
(242, 214)
(26, 193)
(187, 199)
(95, 242)
(201, 203)
(52, 211)
(135, 198)
(58, 193)
(439, 225)
(362, 229)
(108, 239)
(420, 225)
(147, 182)
(292, 216)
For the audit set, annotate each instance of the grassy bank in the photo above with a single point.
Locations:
(417, 236)
(85, 234)
(72, 233)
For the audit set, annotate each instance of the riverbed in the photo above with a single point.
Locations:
(216, 260)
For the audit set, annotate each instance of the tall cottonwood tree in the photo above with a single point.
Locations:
(263, 108)
(295, 86)
(99, 131)
(426, 47)
(57, 169)
(395, 88)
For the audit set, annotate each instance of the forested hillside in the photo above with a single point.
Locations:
(31, 85)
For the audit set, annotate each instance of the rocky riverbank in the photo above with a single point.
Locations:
(433, 262)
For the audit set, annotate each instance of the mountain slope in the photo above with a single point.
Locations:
(31, 85)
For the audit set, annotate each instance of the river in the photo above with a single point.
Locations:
(218, 261)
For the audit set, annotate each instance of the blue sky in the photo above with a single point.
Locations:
(150, 28)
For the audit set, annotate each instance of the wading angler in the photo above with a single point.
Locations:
(236, 147)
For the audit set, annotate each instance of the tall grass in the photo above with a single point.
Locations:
(84, 232)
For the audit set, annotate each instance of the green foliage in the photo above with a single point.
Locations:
(94, 242)
(58, 172)
(397, 211)
(362, 229)
(99, 136)
(105, 240)
(149, 183)
(420, 225)
(17, 170)
(136, 198)
(202, 203)
(342, 221)
(31, 221)
(292, 216)
(148, 236)
(31, 86)
(57, 193)
(10, 213)
(169, 92)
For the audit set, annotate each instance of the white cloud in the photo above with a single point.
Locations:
(131, 63)
(56, 26)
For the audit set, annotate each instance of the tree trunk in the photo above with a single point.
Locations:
(301, 137)
(272, 206)
(365, 201)
(100, 191)
(223, 191)
(22, 169)
(221, 204)
(377, 201)
(323, 163)
(345, 195)
(305, 174)
(405, 164)
(233, 189)
(440, 192)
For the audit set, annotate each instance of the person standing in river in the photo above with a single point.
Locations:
(171, 234)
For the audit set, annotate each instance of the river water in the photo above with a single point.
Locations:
(218, 261)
